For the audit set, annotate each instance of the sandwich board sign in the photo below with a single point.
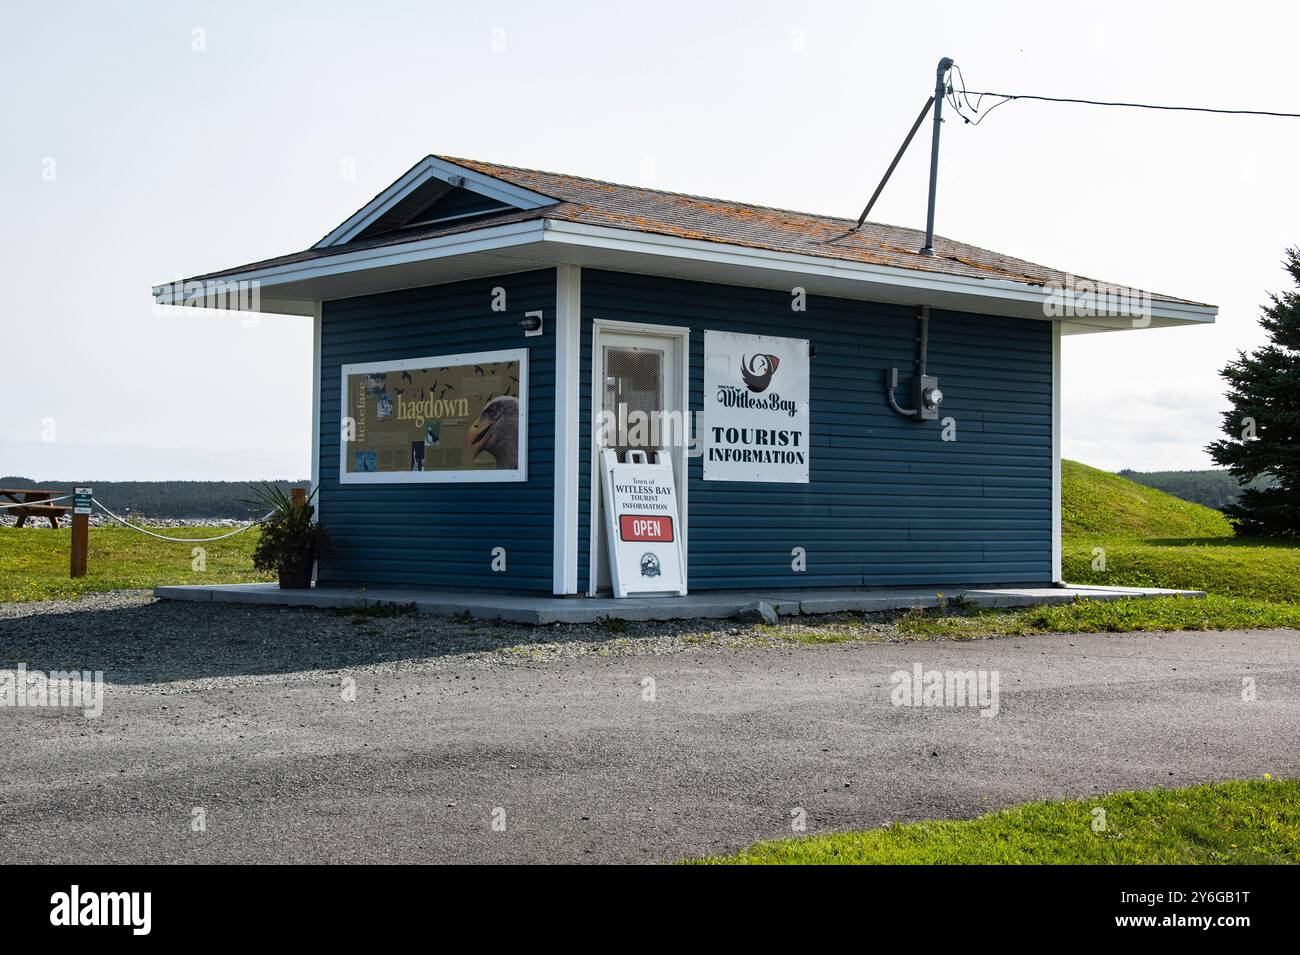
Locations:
(642, 524)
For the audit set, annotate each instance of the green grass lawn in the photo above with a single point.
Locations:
(1250, 584)
(956, 622)
(1229, 567)
(1243, 823)
(34, 561)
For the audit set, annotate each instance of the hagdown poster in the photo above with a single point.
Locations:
(755, 408)
(454, 417)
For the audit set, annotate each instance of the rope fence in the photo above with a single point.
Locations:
(179, 540)
(39, 502)
(84, 500)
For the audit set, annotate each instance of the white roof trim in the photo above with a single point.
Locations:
(555, 242)
(431, 167)
(193, 291)
(939, 283)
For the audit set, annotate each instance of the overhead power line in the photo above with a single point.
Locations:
(950, 88)
(962, 98)
(1006, 97)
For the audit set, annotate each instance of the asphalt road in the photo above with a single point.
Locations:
(581, 768)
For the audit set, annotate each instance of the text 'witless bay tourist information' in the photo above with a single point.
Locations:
(755, 408)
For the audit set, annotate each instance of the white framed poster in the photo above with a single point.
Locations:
(755, 408)
(435, 419)
(642, 524)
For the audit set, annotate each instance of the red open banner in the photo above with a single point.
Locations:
(645, 527)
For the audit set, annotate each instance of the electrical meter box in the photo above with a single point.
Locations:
(926, 396)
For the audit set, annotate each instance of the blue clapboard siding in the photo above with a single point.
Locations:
(440, 535)
(888, 502)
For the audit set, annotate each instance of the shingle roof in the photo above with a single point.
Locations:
(597, 203)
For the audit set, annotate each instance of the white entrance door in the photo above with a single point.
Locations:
(639, 392)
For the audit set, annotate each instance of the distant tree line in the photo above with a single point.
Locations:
(1211, 487)
(166, 499)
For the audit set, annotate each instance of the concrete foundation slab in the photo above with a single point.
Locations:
(542, 610)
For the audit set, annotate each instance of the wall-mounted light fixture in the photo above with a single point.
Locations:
(531, 324)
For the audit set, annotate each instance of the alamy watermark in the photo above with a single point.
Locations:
(66, 689)
(921, 687)
(225, 294)
(130, 909)
(650, 429)
(1084, 298)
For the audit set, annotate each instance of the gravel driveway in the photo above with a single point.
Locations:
(236, 734)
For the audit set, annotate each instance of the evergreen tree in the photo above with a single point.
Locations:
(1263, 427)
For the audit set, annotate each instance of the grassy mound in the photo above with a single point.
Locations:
(1116, 532)
(1098, 503)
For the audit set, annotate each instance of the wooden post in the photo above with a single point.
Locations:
(80, 543)
(80, 530)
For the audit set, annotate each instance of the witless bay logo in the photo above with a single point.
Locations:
(757, 371)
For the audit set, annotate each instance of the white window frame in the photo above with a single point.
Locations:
(464, 476)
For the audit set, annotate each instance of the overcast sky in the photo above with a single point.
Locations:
(146, 141)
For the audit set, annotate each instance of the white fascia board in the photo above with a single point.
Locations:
(602, 247)
(1020, 295)
(432, 168)
(190, 292)
(1164, 315)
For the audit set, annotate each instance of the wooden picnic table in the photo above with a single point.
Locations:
(32, 500)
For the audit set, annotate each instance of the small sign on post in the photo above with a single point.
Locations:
(81, 500)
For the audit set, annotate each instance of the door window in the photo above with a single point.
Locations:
(634, 382)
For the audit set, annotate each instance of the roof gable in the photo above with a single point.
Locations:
(432, 192)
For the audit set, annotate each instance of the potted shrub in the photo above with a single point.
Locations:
(290, 542)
